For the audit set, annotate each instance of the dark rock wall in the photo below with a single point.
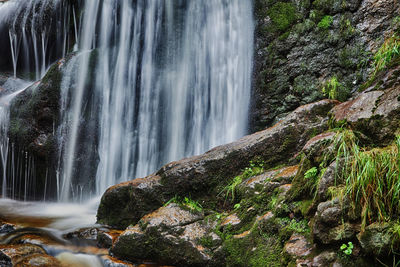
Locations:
(301, 44)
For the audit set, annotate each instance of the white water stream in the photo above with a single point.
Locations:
(170, 79)
(150, 82)
(32, 25)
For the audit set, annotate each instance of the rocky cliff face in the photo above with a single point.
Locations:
(303, 199)
(301, 45)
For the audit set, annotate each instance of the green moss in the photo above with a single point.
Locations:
(301, 187)
(304, 207)
(254, 250)
(283, 15)
(325, 22)
(284, 36)
(207, 241)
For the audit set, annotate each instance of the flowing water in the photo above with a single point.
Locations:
(9, 89)
(168, 79)
(143, 83)
(38, 33)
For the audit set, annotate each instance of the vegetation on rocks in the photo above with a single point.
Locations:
(325, 22)
(389, 50)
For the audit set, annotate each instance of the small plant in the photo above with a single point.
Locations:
(311, 173)
(325, 22)
(297, 226)
(192, 205)
(186, 203)
(347, 249)
(333, 89)
(255, 168)
(313, 14)
(346, 28)
(236, 206)
(389, 50)
(232, 187)
(175, 199)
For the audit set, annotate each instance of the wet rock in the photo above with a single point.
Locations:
(265, 218)
(375, 113)
(298, 246)
(107, 238)
(242, 235)
(109, 261)
(6, 227)
(283, 190)
(326, 258)
(303, 263)
(273, 145)
(38, 260)
(268, 181)
(232, 220)
(35, 239)
(328, 228)
(171, 235)
(291, 66)
(88, 236)
(328, 179)
(34, 114)
(376, 239)
(316, 146)
(330, 212)
(126, 203)
(11, 254)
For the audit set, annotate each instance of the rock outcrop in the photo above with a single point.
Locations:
(126, 203)
(300, 45)
(172, 235)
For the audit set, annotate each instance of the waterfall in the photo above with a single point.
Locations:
(9, 89)
(38, 34)
(144, 83)
(155, 81)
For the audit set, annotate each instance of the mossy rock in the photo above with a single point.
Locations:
(283, 15)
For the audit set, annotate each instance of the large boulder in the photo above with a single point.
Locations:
(376, 111)
(197, 176)
(172, 235)
(124, 204)
(34, 114)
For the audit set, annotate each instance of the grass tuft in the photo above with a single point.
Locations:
(371, 178)
(254, 168)
(389, 50)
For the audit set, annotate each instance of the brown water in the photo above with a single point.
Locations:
(66, 231)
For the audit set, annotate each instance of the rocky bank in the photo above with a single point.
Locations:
(279, 197)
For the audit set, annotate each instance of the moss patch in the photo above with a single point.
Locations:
(283, 15)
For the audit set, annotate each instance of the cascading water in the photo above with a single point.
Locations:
(37, 32)
(150, 81)
(10, 88)
(154, 81)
